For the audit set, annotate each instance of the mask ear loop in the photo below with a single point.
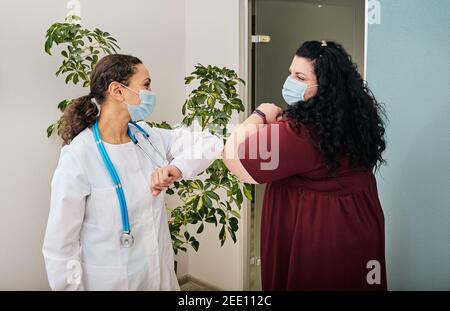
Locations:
(128, 88)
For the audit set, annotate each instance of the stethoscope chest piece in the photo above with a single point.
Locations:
(126, 239)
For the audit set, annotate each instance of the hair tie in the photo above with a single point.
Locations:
(324, 43)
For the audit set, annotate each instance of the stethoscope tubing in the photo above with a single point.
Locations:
(115, 177)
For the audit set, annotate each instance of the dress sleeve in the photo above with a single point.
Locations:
(277, 151)
(191, 151)
(61, 248)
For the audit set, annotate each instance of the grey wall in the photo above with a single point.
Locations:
(408, 68)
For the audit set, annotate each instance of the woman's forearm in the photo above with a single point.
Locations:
(249, 127)
(238, 136)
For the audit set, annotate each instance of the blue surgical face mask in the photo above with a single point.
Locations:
(294, 90)
(145, 107)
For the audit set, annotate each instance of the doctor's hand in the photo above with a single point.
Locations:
(163, 177)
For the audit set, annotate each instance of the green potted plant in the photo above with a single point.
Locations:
(211, 104)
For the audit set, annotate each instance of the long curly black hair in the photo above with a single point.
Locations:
(343, 117)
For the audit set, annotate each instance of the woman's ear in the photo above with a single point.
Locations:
(115, 91)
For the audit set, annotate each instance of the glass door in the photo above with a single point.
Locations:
(279, 27)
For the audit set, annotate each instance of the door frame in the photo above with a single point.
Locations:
(245, 91)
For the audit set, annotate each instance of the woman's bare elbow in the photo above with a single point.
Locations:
(235, 166)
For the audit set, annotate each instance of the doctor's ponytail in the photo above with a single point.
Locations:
(83, 112)
(80, 114)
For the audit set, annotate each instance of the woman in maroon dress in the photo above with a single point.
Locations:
(322, 224)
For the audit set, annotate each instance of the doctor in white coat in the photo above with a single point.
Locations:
(92, 242)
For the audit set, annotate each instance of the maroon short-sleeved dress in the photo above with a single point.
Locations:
(317, 232)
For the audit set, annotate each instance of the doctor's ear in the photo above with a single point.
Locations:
(115, 91)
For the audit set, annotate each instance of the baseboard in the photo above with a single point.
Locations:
(183, 279)
(189, 278)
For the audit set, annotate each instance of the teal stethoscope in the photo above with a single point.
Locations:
(126, 239)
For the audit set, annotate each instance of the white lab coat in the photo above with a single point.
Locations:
(82, 247)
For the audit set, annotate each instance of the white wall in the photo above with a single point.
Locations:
(150, 29)
(205, 20)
